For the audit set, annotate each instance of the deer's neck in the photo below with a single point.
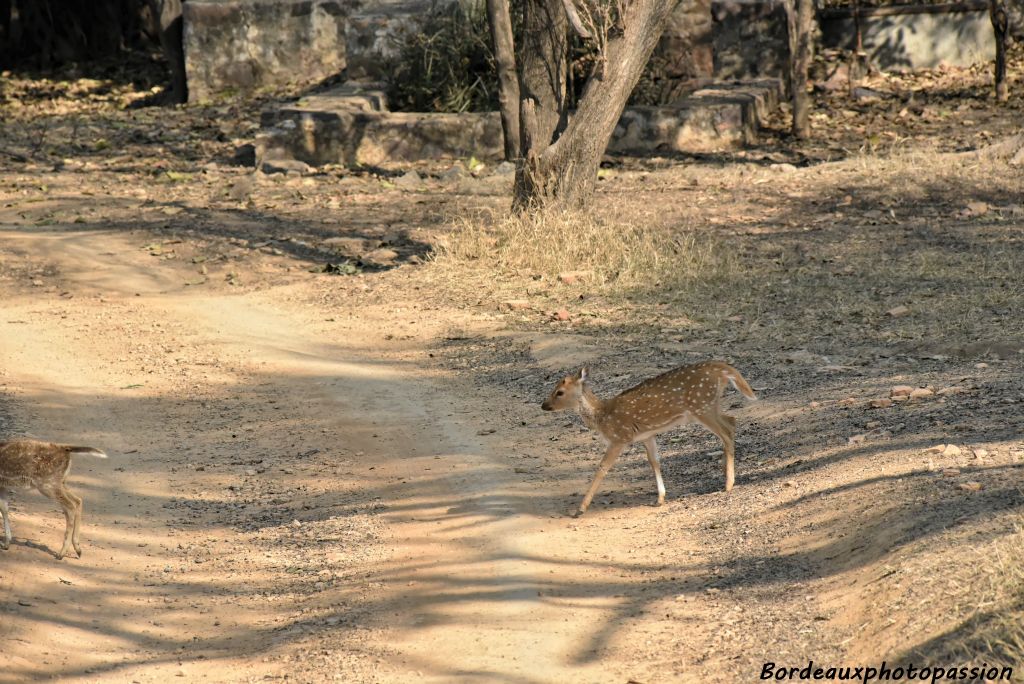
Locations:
(591, 409)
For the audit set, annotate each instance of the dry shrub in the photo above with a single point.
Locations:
(619, 256)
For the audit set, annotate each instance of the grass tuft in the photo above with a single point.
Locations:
(616, 256)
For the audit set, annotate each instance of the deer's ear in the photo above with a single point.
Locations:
(582, 377)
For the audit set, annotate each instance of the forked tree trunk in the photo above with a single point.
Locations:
(1000, 25)
(500, 20)
(565, 171)
(543, 75)
(801, 63)
(544, 67)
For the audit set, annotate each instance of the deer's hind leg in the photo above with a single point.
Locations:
(72, 507)
(724, 428)
(5, 513)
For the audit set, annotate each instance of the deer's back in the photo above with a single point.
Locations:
(26, 462)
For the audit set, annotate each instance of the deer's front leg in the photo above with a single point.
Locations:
(652, 457)
(614, 450)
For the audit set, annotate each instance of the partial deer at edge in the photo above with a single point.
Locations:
(689, 394)
(43, 465)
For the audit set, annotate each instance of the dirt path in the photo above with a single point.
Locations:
(210, 406)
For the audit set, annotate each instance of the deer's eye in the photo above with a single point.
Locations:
(559, 393)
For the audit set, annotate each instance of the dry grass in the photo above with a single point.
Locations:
(994, 632)
(1003, 635)
(617, 256)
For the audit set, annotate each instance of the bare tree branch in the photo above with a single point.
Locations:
(575, 21)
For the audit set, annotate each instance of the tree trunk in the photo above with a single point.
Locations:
(801, 64)
(544, 69)
(565, 171)
(500, 20)
(1000, 25)
(167, 14)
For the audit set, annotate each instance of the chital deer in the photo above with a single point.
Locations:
(685, 395)
(29, 463)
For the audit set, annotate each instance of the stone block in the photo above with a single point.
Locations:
(236, 47)
(713, 118)
(350, 125)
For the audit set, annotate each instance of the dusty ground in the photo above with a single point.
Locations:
(347, 477)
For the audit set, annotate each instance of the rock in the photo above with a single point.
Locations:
(345, 268)
(950, 472)
(951, 450)
(898, 312)
(245, 155)
(867, 95)
(410, 180)
(980, 453)
(454, 174)
(296, 523)
(840, 78)
(976, 209)
(945, 391)
(802, 356)
(560, 315)
(937, 449)
(270, 166)
(814, 404)
(240, 190)
(349, 246)
(921, 393)
(573, 277)
(971, 486)
(901, 391)
(848, 401)
(856, 439)
(505, 168)
(872, 424)
(783, 168)
(516, 304)
(881, 403)
(789, 483)
(380, 257)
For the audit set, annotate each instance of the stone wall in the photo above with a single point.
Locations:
(915, 36)
(237, 47)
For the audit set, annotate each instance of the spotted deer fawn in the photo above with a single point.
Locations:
(29, 463)
(685, 395)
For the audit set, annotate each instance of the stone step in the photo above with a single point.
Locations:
(350, 125)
